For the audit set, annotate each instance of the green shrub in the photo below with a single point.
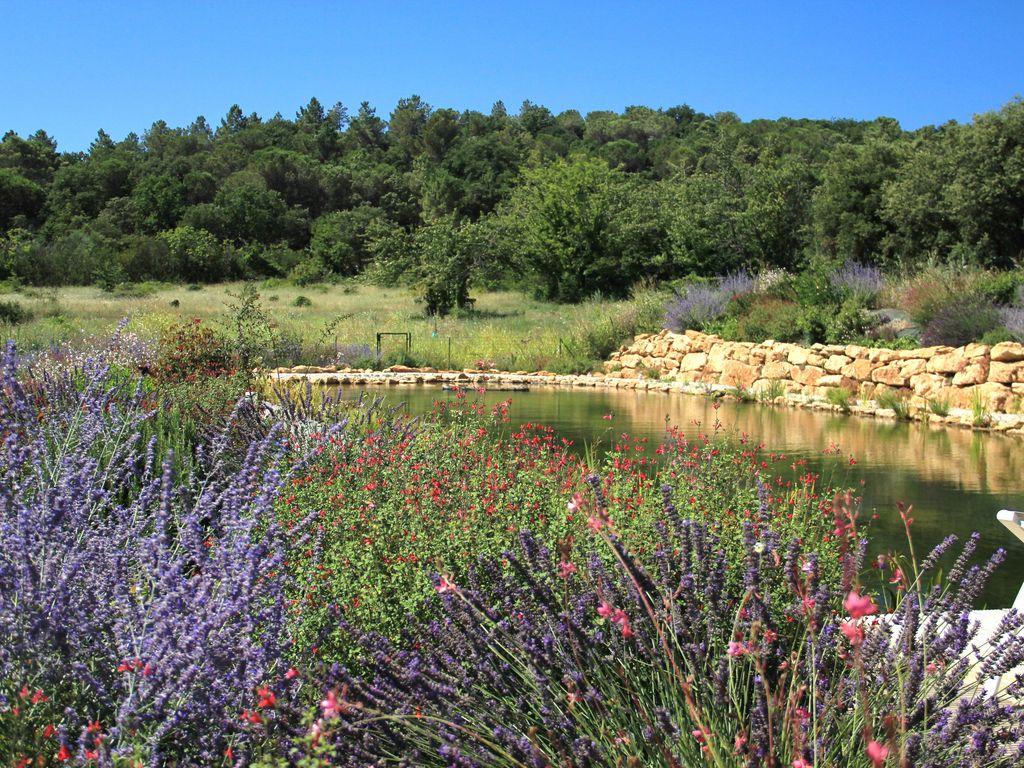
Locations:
(895, 403)
(192, 351)
(849, 322)
(302, 301)
(840, 397)
(770, 318)
(12, 313)
(962, 320)
(939, 407)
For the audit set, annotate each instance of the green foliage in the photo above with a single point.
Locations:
(13, 313)
(895, 403)
(840, 397)
(765, 317)
(302, 301)
(939, 407)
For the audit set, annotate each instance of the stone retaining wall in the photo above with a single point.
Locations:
(961, 377)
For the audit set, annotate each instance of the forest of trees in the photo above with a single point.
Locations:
(565, 205)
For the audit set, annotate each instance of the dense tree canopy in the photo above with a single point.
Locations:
(568, 204)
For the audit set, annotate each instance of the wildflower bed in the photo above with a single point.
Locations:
(329, 583)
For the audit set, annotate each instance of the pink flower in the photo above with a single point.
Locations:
(604, 609)
(564, 569)
(330, 706)
(877, 753)
(853, 631)
(619, 617)
(737, 648)
(446, 585)
(575, 502)
(291, 673)
(859, 606)
(801, 763)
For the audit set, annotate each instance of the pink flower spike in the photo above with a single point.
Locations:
(564, 569)
(859, 606)
(877, 753)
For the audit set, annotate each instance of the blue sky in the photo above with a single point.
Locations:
(74, 67)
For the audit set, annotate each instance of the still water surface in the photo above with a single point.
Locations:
(956, 479)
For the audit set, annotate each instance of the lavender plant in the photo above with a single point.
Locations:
(862, 281)
(144, 613)
(1013, 320)
(695, 308)
(583, 664)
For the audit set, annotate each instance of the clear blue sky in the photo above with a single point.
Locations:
(76, 66)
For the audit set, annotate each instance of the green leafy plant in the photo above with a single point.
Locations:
(771, 392)
(895, 403)
(980, 416)
(841, 397)
(939, 407)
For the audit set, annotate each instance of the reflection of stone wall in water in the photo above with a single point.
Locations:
(933, 452)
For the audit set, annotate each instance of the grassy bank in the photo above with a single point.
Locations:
(313, 324)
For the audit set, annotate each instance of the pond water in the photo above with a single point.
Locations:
(956, 479)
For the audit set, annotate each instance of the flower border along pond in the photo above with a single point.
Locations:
(975, 386)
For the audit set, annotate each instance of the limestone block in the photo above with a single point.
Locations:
(816, 359)
(835, 362)
(757, 355)
(973, 373)
(882, 356)
(776, 352)
(977, 350)
(661, 347)
(808, 376)
(889, 375)
(630, 361)
(836, 380)
(947, 362)
(1005, 373)
(912, 367)
(1007, 352)
(735, 374)
(995, 396)
(855, 351)
(681, 344)
(718, 355)
(694, 361)
(798, 356)
(928, 384)
(860, 369)
(776, 369)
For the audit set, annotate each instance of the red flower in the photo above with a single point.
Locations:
(63, 753)
(251, 717)
(48, 731)
(564, 569)
(291, 673)
(267, 698)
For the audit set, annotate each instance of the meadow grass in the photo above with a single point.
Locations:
(506, 328)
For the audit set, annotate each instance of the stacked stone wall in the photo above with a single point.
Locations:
(974, 376)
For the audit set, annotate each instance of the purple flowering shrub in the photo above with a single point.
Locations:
(143, 615)
(586, 664)
(701, 304)
(1013, 320)
(861, 281)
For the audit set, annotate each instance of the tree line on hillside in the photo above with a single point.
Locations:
(566, 205)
